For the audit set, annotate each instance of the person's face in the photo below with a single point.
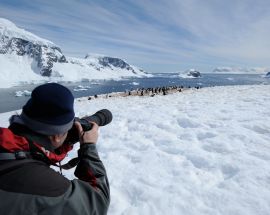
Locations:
(57, 140)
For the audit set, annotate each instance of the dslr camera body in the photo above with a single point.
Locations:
(101, 118)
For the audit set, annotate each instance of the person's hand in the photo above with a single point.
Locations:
(90, 136)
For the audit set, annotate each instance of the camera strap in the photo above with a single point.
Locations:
(69, 165)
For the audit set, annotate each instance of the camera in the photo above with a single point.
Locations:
(101, 118)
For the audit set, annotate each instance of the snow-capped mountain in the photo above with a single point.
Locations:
(25, 57)
(240, 70)
(22, 43)
(191, 73)
(114, 62)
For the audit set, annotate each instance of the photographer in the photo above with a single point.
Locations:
(35, 140)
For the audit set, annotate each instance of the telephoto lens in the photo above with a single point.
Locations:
(101, 118)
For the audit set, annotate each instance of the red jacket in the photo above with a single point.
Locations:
(30, 186)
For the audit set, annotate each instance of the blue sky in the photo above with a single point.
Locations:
(156, 35)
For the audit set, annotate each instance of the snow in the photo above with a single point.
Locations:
(10, 30)
(18, 70)
(241, 70)
(82, 88)
(22, 93)
(191, 73)
(90, 69)
(93, 55)
(135, 83)
(203, 151)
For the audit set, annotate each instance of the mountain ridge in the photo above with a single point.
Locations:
(45, 59)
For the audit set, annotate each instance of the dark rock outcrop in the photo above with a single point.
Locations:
(45, 55)
(115, 62)
(194, 73)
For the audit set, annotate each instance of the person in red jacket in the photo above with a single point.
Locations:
(35, 140)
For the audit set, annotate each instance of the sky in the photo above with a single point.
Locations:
(155, 35)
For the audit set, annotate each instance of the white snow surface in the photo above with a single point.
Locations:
(17, 69)
(203, 151)
(9, 29)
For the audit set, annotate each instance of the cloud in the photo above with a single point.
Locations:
(186, 32)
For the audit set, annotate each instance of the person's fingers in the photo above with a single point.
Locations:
(91, 136)
(79, 128)
(95, 126)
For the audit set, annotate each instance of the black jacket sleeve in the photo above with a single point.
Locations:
(93, 185)
(91, 170)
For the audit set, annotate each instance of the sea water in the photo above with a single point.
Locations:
(9, 100)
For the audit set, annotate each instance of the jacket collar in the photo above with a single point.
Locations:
(16, 138)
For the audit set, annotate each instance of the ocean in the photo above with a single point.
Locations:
(10, 102)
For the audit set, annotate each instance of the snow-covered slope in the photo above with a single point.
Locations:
(25, 57)
(241, 70)
(9, 30)
(16, 42)
(96, 67)
(199, 152)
